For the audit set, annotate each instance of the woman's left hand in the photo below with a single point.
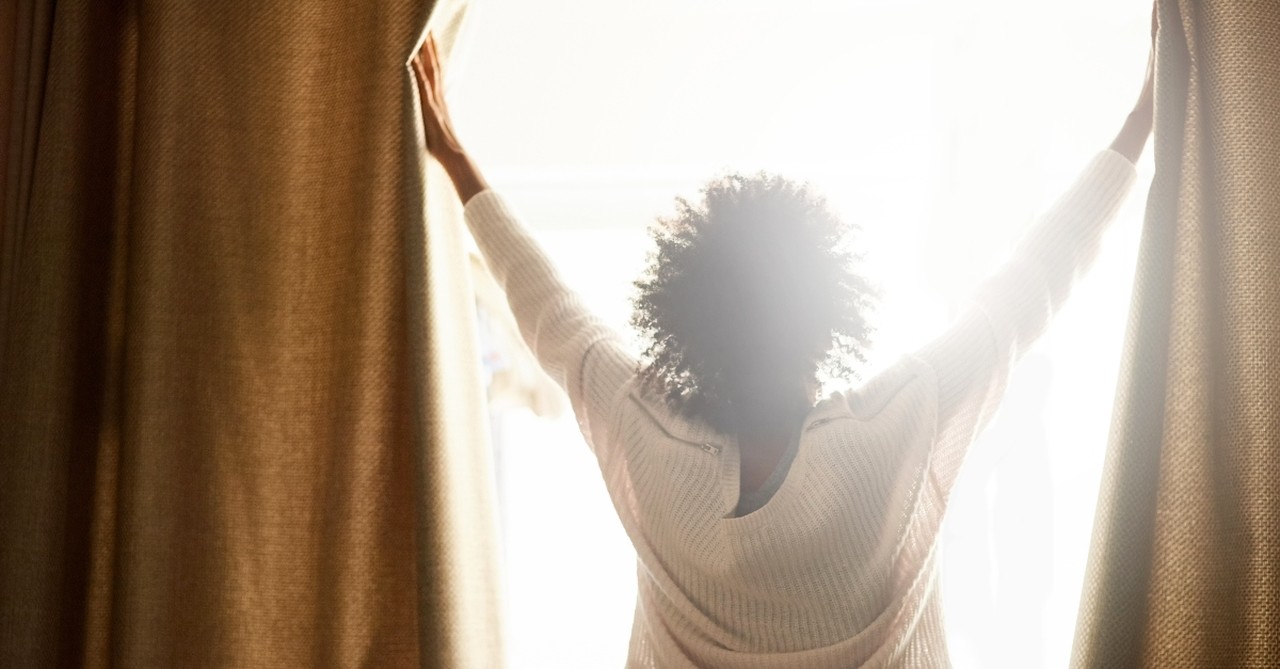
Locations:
(1137, 127)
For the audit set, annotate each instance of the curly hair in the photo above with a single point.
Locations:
(748, 295)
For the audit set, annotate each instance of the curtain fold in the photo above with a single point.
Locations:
(1185, 565)
(241, 421)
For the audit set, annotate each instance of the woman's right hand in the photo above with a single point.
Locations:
(441, 139)
(442, 142)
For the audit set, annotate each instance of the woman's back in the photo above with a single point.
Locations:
(815, 577)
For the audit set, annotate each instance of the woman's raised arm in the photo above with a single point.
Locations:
(581, 353)
(1013, 307)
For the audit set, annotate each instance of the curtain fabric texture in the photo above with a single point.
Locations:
(240, 412)
(1185, 564)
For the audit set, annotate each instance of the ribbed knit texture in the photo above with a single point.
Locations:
(837, 569)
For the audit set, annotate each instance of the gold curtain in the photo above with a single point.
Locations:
(240, 413)
(1185, 564)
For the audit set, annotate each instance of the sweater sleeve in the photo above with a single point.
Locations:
(1012, 308)
(584, 356)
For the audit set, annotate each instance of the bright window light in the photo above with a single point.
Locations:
(940, 127)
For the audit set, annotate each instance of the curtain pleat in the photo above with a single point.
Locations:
(24, 47)
(1185, 564)
(240, 409)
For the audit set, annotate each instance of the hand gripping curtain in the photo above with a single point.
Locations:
(1185, 565)
(240, 414)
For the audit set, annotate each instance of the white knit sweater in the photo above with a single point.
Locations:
(837, 569)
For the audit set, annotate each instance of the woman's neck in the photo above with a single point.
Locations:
(762, 443)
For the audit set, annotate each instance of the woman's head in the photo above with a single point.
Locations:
(749, 294)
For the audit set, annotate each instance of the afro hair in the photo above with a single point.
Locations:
(749, 294)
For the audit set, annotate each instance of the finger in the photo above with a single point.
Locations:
(433, 108)
(428, 46)
(420, 78)
(424, 52)
(438, 71)
(418, 75)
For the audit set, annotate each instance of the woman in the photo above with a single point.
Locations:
(774, 529)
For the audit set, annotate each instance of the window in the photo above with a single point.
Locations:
(940, 127)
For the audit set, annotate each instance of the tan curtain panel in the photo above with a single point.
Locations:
(240, 413)
(1185, 565)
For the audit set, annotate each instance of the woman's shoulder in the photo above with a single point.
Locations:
(646, 411)
(907, 381)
